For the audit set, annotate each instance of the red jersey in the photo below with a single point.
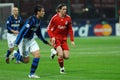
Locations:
(60, 27)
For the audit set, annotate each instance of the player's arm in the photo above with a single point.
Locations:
(71, 33)
(21, 23)
(15, 32)
(8, 23)
(50, 29)
(23, 31)
(39, 34)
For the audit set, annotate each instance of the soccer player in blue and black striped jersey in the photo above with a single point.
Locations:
(26, 42)
(14, 23)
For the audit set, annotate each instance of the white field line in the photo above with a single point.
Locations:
(83, 48)
(100, 52)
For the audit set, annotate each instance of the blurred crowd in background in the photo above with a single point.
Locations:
(78, 9)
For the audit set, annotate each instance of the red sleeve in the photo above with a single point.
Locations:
(71, 31)
(50, 28)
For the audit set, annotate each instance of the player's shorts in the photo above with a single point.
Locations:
(62, 43)
(26, 46)
(11, 39)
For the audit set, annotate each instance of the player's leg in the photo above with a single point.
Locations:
(34, 64)
(60, 58)
(13, 57)
(17, 60)
(10, 39)
(65, 50)
(23, 53)
(65, 54)
(60, 54)
(34, 49)
(16, 55)
(8, 54)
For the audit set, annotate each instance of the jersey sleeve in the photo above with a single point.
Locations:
(8, 23)
(21, 22)
(39, 34)
(50, 28)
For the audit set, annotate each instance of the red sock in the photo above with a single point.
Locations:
(61, 62)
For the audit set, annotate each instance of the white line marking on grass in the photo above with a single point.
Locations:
(100, 52)
(98, 47)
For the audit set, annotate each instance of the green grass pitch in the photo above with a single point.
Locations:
(93, 58)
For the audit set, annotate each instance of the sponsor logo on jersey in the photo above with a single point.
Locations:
(61, 27)
(15, 25)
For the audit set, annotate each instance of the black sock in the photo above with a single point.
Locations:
(8, 53)
(18, 57)
(34, 65)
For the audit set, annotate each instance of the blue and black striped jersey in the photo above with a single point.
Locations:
(31, 26)
(13, 24)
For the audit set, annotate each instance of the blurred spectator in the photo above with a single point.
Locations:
(103, 19)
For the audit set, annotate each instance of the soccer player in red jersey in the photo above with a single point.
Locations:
(58, 29)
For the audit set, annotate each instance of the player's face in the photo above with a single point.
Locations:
(15, 11)
(42, 13)
(63, 10)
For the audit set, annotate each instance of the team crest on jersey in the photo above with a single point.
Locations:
(66, 23)
(27, 25)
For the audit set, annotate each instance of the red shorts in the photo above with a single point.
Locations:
(62, 43)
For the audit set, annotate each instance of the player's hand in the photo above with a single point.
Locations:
(73, 43)
(15, 32)
(53, 40)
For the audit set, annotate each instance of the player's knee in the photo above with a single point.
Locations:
(11, 49)
(60, 56)
(25, 59)
(25, 62)
(66, 57)
(37, 56)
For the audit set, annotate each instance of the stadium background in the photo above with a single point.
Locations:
(90, 17)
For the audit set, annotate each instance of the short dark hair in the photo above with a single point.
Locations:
(37, 8)
(60, 6)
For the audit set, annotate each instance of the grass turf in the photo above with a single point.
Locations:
(93, 58)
